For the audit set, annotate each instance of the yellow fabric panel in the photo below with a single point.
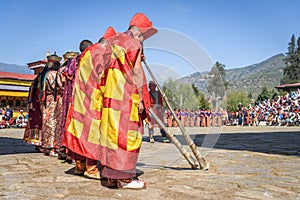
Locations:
(102, 89)
(86, 67)
(134, 140)
(115, 84)
(32, 140)
(96, 100)
(109, 128)
(118, 52)
(75, 127)
(78, 99)
(13, 93)
(15, 82)
(134, 113)
(94, 133)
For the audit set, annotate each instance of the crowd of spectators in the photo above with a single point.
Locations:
(7, 120)
(282, 111)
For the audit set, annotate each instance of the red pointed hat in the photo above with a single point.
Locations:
(144, 24)
(110, 31)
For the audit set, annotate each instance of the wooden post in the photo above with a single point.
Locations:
(202, 162)
(174, 140)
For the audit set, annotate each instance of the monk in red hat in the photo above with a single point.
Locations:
(125, 103)
(98, 51)
(141, 24)
(110, 32)
(83, 120)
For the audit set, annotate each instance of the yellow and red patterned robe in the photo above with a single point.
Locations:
(82, 127)
(103, 121)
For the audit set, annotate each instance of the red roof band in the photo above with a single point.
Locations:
(12, 75)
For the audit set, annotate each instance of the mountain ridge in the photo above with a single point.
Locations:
(251, 78)
(23, 69)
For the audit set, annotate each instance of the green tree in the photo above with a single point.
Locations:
(168, 88)
(236, 97)
(196, 90)
(250, 95)
(291, 72)
(202, 101)
(298, 59)
(217, 84)
(180, 95)
(266, 94)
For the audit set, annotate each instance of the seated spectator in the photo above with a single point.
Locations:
(20, 121)
(8, 113)
(10, 123)
(2, 111)
(2, 122)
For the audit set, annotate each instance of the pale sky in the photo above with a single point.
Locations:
(236, 33)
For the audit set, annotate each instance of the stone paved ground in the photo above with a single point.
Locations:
(245, 163)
